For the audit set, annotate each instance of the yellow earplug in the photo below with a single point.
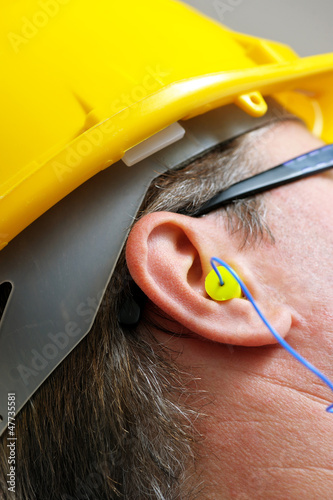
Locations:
(230, 290)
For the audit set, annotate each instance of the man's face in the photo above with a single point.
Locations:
(301, 218)
(269, 421)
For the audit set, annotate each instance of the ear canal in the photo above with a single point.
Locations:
(230, 288)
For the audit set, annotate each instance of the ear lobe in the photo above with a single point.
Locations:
(168, 256)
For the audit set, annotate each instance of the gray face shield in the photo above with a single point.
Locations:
(59, 267)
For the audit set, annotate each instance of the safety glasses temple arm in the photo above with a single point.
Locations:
(303, 166)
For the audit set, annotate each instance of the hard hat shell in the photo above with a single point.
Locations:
(86, 81)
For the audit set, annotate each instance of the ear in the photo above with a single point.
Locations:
(168, 256)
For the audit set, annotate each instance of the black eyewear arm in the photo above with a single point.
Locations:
(306, 165)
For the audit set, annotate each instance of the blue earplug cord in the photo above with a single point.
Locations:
(278, 337)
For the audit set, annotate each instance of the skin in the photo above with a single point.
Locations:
(266, 433)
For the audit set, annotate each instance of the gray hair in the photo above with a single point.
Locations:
(115, 420)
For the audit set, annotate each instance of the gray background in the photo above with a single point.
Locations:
(305, 25)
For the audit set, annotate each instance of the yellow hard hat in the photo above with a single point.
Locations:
(86, 84)
(86, 81)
